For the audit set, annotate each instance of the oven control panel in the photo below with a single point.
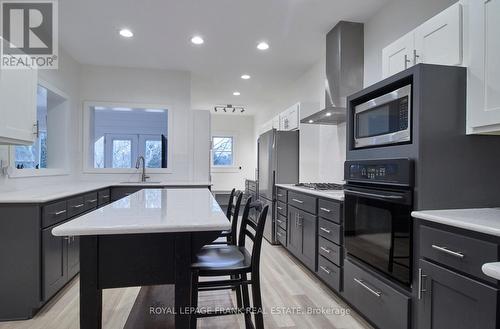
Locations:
(395, 171)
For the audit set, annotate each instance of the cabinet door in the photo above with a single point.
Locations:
(397, 56)
(18, 92)
(294, 232)
(439, 40)
(54, 263)
(73, 256)
(308, 224)
(483, 76)
(450, 300)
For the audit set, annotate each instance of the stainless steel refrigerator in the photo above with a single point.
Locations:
(278, 163)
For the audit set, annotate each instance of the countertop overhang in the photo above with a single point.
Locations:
(482, 220)
(151, 211)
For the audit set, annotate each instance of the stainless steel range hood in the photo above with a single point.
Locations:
(344, 72)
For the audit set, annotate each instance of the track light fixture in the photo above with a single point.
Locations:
(229, 107)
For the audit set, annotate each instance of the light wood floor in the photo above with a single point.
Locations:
(286, 286)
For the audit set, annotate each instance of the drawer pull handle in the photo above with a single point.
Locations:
(325, 210)
(420, 279)
(325, 230)
(448, 251)
(280, 195)
(364, 285)
(105, 197)
(279, 221)
(298, 201)
(326, 250)
(57, 213)
(78, 205)
(92, 201)
(279, 234)
(325, 269)
(279, 208)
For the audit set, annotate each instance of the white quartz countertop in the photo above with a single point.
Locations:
(483, 220)
(492, 270)
(151, 211)
(46, 193)
(330, 194)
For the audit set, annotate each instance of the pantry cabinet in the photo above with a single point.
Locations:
(436, 41)
(18, 93)
(483, 76)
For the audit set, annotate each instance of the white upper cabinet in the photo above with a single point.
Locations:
(289, 119)
(18, 105)
(397, 56)
(437, 41)
(483, 76)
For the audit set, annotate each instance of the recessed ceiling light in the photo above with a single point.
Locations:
(311, 121)
(126, 33)
(263, 45)
(245, 77)
(236, 93)
(328, 114)
(197, 40)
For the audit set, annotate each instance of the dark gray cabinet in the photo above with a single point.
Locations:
(54, 260)
(120, 192)
(450, 300)
(73, 256)
(302, 228)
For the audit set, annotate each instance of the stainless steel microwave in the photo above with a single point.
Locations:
(384, 120)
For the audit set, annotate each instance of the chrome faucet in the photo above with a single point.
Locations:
(138, 164)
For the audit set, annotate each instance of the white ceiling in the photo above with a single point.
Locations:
(295, 30)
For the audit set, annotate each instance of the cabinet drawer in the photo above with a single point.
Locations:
(76, 206)
(281, 221)
(281, 208)
(330, 251)
(302, 201)
(281, 194)
(330, 230)
(457, 251)
(386, 307)
(103, 197)
(330, 210)
(329, 272)
(54, 213)
(90, 200)
(281, 235)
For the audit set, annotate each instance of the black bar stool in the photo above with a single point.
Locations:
(236, 262)
(233, 213)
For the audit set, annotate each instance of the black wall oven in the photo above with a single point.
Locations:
(378, 206)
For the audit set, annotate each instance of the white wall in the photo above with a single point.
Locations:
(322, 148)
(65, 79)
(148, 86)
(242, 128)
(124, 85)
(392, 21)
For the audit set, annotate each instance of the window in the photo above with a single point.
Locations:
(35, 156)
(119, 135)
(222, 151)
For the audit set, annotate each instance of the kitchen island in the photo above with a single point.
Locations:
(146, 238)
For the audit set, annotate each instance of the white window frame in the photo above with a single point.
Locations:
(223, 168)
(13, 172)
(88, 157)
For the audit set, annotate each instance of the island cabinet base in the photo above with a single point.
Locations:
(115, 261)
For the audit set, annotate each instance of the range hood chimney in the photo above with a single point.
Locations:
(344, 72)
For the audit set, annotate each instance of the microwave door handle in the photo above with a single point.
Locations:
(381, 196)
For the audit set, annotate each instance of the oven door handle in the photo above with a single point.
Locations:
(375, 195)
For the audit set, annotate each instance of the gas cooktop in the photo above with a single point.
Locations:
(321, 186)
